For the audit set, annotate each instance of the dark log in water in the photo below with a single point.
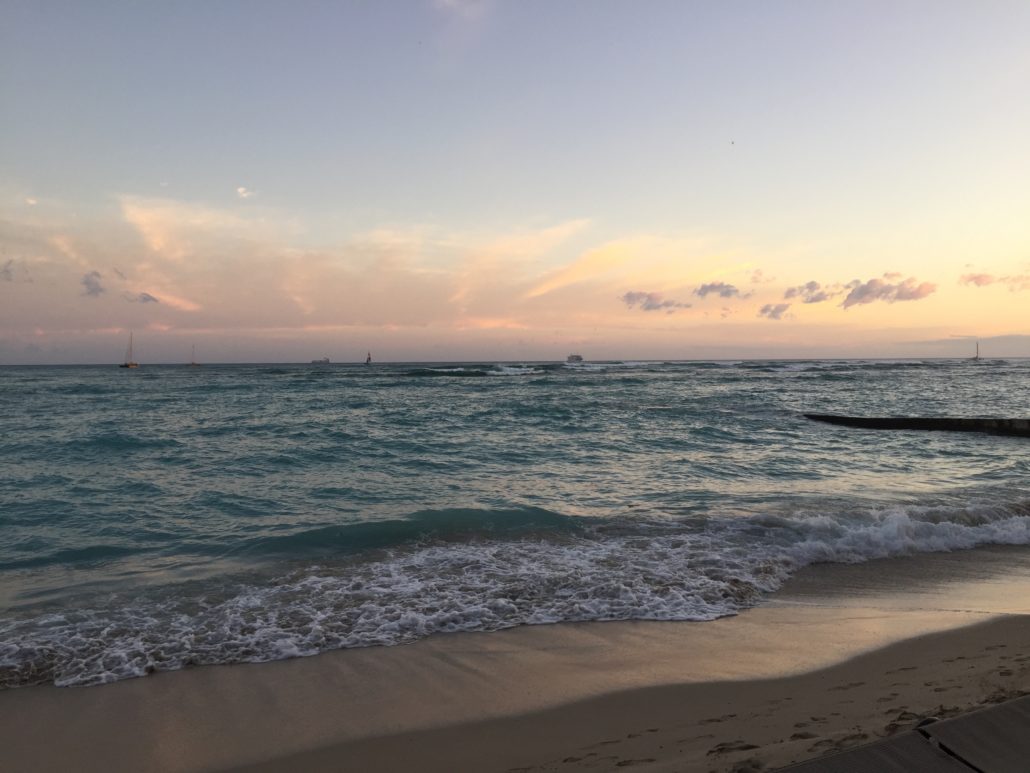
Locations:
(1017, 427)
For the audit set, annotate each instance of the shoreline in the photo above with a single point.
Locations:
(732, 726)
(831, 643)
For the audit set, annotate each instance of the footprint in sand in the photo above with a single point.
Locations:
(840, 743)
(848, 686)
(710, 720)
(731, 746)
(627, 763)
(803, 736)
(706, 737)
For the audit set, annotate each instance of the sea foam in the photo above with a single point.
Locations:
(459, 575)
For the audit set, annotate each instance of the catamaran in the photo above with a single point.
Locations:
(129, 362)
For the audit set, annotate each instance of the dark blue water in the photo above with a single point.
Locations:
(166, 516)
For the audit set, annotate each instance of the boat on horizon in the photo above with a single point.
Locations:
(129, 362)
(976, 357)
(323, 361)
(368, 359)
(193, 356)
(574, 358)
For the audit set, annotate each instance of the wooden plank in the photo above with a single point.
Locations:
(905, 753)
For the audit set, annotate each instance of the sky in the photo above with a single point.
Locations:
(513, 180)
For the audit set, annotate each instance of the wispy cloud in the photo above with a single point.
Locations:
(722, 289)
(91, 281)
(140, 298)
(651, 302)
(175, 230)
(245, 193)
(980, 280)
(812, 292)
(590, 265)
(512, 254)
(773, 310)
(759, 277)
(873, 290)
(1014, 282)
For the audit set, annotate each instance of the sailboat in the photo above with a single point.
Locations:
(976, 357)
(368, 359)
(193, 356)
(129, 362)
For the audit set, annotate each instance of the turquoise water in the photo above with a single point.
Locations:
(167, 516)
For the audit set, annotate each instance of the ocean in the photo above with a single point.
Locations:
(169, 516)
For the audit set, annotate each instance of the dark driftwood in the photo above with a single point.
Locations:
(1017, 427)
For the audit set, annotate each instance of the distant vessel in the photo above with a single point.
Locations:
(323, 361)
(976, 357)
(193, 356)
(368, 359)
(574, 358)
(129, 362)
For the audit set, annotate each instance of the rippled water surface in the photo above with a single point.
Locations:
(170, 515)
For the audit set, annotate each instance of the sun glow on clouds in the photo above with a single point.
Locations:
(666, 262)
(178, 268)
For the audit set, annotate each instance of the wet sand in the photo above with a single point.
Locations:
(842, 655)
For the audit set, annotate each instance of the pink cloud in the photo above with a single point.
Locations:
(1014, 282)
(882, 290)
(980, 280)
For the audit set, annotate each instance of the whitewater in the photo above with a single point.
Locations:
(172, 516)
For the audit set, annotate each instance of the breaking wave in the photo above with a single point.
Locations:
(397, 581)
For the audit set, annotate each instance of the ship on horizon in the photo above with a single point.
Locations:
(129, 362)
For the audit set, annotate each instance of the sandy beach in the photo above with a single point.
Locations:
(843, 655)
